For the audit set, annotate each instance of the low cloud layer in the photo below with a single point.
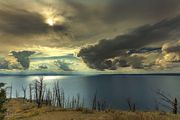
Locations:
(64, 66)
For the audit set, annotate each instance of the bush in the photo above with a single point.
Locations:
(2, 101)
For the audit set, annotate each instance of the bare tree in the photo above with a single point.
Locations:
(168, 102)
(24, 92)
(132, 106)
(30, 92)
(49, 97)
(11, 91)
(94, 104)
(17, 95)
(58, 94)
(156, 105)
(39, 91)
(129, 104)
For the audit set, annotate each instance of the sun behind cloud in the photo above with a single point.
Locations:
(50, 21)
(52, 17)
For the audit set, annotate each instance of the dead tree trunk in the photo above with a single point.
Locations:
(36, 91)
(11, 91)
(24, 92)
(30, 92)
(132, 106)
(39, 91)
(48, 98)
(129, 104)
(175, 106)
(17, 95)
(58, 94)
(94, 104)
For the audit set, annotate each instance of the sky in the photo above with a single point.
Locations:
(90, 36)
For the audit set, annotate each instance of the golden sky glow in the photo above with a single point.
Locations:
(91, 35)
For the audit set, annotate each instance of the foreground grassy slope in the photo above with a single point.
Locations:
(22, 110)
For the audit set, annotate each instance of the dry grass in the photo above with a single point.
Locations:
(19, 108)
(23, 110)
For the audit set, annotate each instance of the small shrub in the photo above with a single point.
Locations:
(87, 111)
(2, 101)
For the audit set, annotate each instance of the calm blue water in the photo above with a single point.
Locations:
(114, 89)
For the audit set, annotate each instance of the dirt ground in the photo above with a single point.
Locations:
(23, 110)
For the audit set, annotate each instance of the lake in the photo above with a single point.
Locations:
(114, 89)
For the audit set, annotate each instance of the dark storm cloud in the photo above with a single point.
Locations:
(121, 10)
(85, 21)
(141, 9)
(94, 20)
(83, 11)
(101, 56)
(134, 61)
(22, 22)
(23, 57)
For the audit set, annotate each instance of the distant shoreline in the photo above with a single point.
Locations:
(79, 74)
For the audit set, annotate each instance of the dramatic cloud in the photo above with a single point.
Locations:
(171, 47)
(141, 9)
(23, 57)
(118, 33)
(116, 16)
(99, 56)
(119, 10)
(75, 21)
(170, 55)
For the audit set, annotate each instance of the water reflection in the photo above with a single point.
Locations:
(114, 89)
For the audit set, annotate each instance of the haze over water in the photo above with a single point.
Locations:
(114, 89)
